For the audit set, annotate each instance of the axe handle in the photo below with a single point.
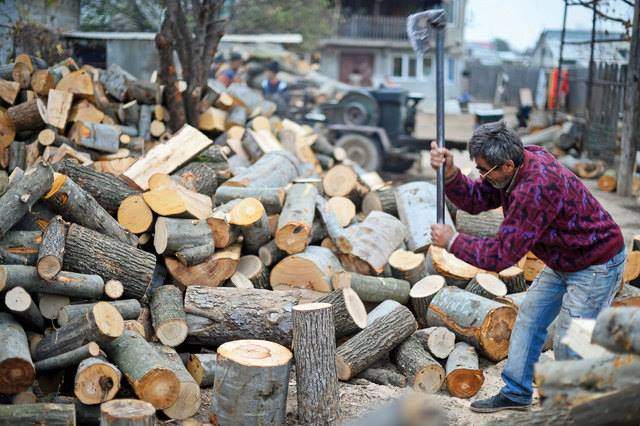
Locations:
(440, 120)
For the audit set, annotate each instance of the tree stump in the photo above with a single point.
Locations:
(464, 377)
(167, 315)
(421, 295)
(251, 383)
(487, 285)
(127, 412)
(474, 319)
(423, 372)
(314, 346)
(17, 372)
(349, 313)
(373, 289)
(439, 341)
(96, 381)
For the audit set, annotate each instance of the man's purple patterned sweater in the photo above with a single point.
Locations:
(547, 210)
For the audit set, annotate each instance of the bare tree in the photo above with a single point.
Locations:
(193, 29)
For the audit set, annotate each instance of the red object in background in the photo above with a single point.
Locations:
(553, 87)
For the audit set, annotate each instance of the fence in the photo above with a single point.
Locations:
(483, 80)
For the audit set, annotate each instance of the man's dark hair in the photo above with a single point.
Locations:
(497, 144)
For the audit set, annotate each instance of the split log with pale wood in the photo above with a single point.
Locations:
(296, 219)
(214, 271)
(455, 271)
(275, 169)
(313, 268)
(349, 313)
(251, 218)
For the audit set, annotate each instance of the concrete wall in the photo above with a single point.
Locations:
(139, 57)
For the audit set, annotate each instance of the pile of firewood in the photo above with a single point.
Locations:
(189, 259)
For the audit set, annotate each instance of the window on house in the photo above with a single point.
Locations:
(451, 75)
(412, 67)
(397, 66)
(426, 66)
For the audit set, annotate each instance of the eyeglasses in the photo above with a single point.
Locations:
(484, 175)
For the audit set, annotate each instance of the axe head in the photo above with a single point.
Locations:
(422, 27)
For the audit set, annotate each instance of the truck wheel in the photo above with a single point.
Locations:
(361, 150)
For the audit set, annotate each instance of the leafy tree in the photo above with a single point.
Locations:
(121, 15)
(501, 45)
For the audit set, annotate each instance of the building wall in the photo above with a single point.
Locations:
(139, 57)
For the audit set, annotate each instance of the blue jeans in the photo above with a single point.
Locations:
(581, 294)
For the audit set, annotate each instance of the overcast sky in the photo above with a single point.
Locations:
(521, 21)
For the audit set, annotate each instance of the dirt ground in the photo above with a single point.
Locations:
(359, 396)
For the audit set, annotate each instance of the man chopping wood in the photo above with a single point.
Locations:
(548, 211)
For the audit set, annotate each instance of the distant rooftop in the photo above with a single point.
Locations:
(286, 38)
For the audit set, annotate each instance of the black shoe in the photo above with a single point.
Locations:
(497, 403)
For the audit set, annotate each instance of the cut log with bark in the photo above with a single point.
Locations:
(144, 122)
(218, 315)
(88, 251)
(224, 233)
(296, 219)
(188, 401)
(484, 224)
(439, 341)
(41, 82)
(96, 381)
(99, 137)
(372, 289)
(28, 115)
(464, 377)
(17, 156)
(177, 236)
(198, 177)
(20, 247)
(487, 285)
(422, 293)
(375, 341)
(167, 314)
(456, 272)
(129, 412)
(408, 266)
(58, 107)
(314, 346)
(214, 271)
(38, 414)
(101, 324)
(253, 269)
(169, 198)
(417, 210)
(248, 371)
(68, 359)
(64, 283)
(22, 306)
(479, 321)
(50, 304)
(77, 205)
(349, 313)
(342, 181)
(203, 368)
(17, 372)
(167, 157)
(51, 251)
(383, 376)
(423, 372)
(143, 92)
(313, 268)
(373, 241)
(338, 235)
(270, 254)
(275, 169)
(250, 216)
(22, 195)
(108, 190)
(129, 309)
(145, 369)
(617, 329)
(513, 278)
(237, 116)
(134, 214)
(383, 199)
(271, 198)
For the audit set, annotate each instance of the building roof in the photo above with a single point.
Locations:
(614, 51)
(228, 38)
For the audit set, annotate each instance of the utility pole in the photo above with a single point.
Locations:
(559, 78)
(631, 121)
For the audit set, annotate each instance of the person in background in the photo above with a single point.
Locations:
(218, 60)
(232, 73)
(272, 85)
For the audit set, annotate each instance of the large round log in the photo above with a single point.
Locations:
(417, 210)
(373, 289)
(202, 368)
(250, 216)
(127, 412)
(342, 181)
(618, 329)
(464, 377)
(167, 315)
(271, 198)
(349, 313)
(88, 251)
(313, 268)
(218, 315)
(375, 341)
(38, 414)
(128, 308)
(51, 250)
(296, 219)
(102, 324)
(64, 283)
(407, 265)
(17, 372)
(251, 383)
(487, 285)
(484, 224)
(455, 271)
(439, 341)
(22, 195)
(96, 381)
(188, 401)
(68, 359)
(474, 319)
(314, 346)
(78, 206)
(146, 371)
(421, 295)
(423, 372)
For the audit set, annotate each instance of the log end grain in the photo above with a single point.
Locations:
(495, 332)
(96, 382)
(17, 375)
(134, 214)
(127, 411)
(355, 307)
(464, 383)
(49, 266)
(429, 378)
(114, 289)
(255, 353)
(108, 319)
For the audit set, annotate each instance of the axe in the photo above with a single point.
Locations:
(421, 28)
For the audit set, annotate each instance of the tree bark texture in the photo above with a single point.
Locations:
(17, 372)
(423, 372)
(167, 315)
(51, 251)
